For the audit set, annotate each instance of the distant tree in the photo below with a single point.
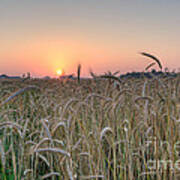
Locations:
(23, 75)
(153, 71)
(28, 75)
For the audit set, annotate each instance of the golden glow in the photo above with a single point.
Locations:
(59, 72)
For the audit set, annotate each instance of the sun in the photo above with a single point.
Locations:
(59, 72)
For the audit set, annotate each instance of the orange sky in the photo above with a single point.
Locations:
(41, 37)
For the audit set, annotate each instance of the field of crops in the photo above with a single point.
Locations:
(92, 129)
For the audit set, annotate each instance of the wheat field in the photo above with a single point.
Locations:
(90, 129)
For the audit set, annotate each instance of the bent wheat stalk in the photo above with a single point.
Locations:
(17, 93)
(50, 175)
(150, 65)
(152, 57)
(55, 150)
(111, 77)
(104, 131)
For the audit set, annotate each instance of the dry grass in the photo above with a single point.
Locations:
(89, 130)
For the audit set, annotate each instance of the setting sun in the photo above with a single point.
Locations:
(59, 72)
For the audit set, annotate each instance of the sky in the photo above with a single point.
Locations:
(41, 36)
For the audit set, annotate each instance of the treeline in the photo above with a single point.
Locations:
(149, 74)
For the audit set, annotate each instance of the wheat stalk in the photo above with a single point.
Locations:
(154, 58)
